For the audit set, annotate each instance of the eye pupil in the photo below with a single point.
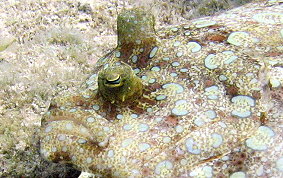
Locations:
(113, 82)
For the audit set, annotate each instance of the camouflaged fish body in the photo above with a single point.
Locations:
(184, 101)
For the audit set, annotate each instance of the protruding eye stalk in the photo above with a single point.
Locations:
(114, 82)
(118, 83)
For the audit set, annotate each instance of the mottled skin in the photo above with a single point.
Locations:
(118, 83)
(201, 110)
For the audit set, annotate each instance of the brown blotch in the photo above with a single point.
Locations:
(232, 119)
(211, 51)
(184, 75)
(146, 91)
(216, 38)
(154, 142)
(257, 159)
(263, 118)
(215, 26)
(162, 63)
(110, 110)
(230, 171)
(238, 160)
(187, 65)
(93, 145)
(137, 109)
(273, 54)
(80, 101)
(221, 114)
(198, 101)
(58, 156)
(77, 100)
(146, 171)
(255, 118)
(154, 87)
(148, 101)
(208, 83)
(94, 169)
(191, 85)
(243, 155)
(218, 71)
(126, 51)
(193, 128)
(232, 90)
(105, 172)
(251, 22)
(143, 58)
(221, 175)
(177, 158)
(171, 70)
(256, 94)
(177, 137)
(53, 105)
(218, 164)
(172, 120)
(277, 93)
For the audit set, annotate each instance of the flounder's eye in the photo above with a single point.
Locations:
(119, 83)
(114, 81)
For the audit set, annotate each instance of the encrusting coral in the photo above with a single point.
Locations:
(201, 106)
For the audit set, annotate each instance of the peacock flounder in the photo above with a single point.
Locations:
(188, 101)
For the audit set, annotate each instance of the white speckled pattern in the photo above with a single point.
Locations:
(203, 111)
